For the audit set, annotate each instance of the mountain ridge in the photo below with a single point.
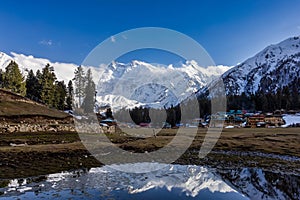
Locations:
(139, 81)
(273, 67)
(183, 80)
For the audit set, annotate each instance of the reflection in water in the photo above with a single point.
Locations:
(259, 184)
(172, 182)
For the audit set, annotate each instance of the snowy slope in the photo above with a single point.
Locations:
(4, 60)
(272, 68)
(153, 85)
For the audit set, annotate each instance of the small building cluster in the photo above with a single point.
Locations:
(243, 118)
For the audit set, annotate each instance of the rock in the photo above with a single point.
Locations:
(25, 128)
(52, 129)
(11, 129)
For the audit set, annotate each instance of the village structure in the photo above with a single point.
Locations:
(230, 119)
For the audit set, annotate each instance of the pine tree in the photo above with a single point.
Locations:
(32, 86)
(13, 79)
(278, 98)
(47, 81)
(79, 84)
(39, 88)
(109, 113)
(295, 96)
(38, 74)
(286, 101)
(90, 89)
(70, 96)
(1, 78)
(60, 93)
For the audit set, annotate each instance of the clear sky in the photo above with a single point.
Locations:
(66, 31)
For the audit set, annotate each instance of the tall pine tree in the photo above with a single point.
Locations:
(70, 96)
(13, 79)
(60, 93)
(47, 81)
(90, 89)
(79, 80)
(1, 78)
(32, 86)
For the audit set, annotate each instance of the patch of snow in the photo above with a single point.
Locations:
(290, 120)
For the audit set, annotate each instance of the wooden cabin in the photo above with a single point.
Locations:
(274, 120)
(253, 121)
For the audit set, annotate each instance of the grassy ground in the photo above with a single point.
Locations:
(12, 105)
(46, 153)
(279, 141)
(11, 109)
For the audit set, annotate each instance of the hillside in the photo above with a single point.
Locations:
(13, 105)
(273, 68)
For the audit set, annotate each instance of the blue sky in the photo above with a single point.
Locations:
(66, 31)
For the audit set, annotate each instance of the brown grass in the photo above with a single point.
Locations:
(279, 141)
(53, 152)
(19, 108)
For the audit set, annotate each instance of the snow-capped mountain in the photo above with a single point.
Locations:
(133, 84)
(154, 85)
(272, 68)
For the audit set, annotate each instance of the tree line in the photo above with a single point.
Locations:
(287, 98)
(43, 87)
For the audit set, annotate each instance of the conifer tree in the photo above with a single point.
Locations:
(38, 75)
(32, 86)
(79, 80)
(60, 93)
(89, 100)
(47, 81)
(13, 79)
(286, 100)
(109, 113)
(70, 95)
(1, 78)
